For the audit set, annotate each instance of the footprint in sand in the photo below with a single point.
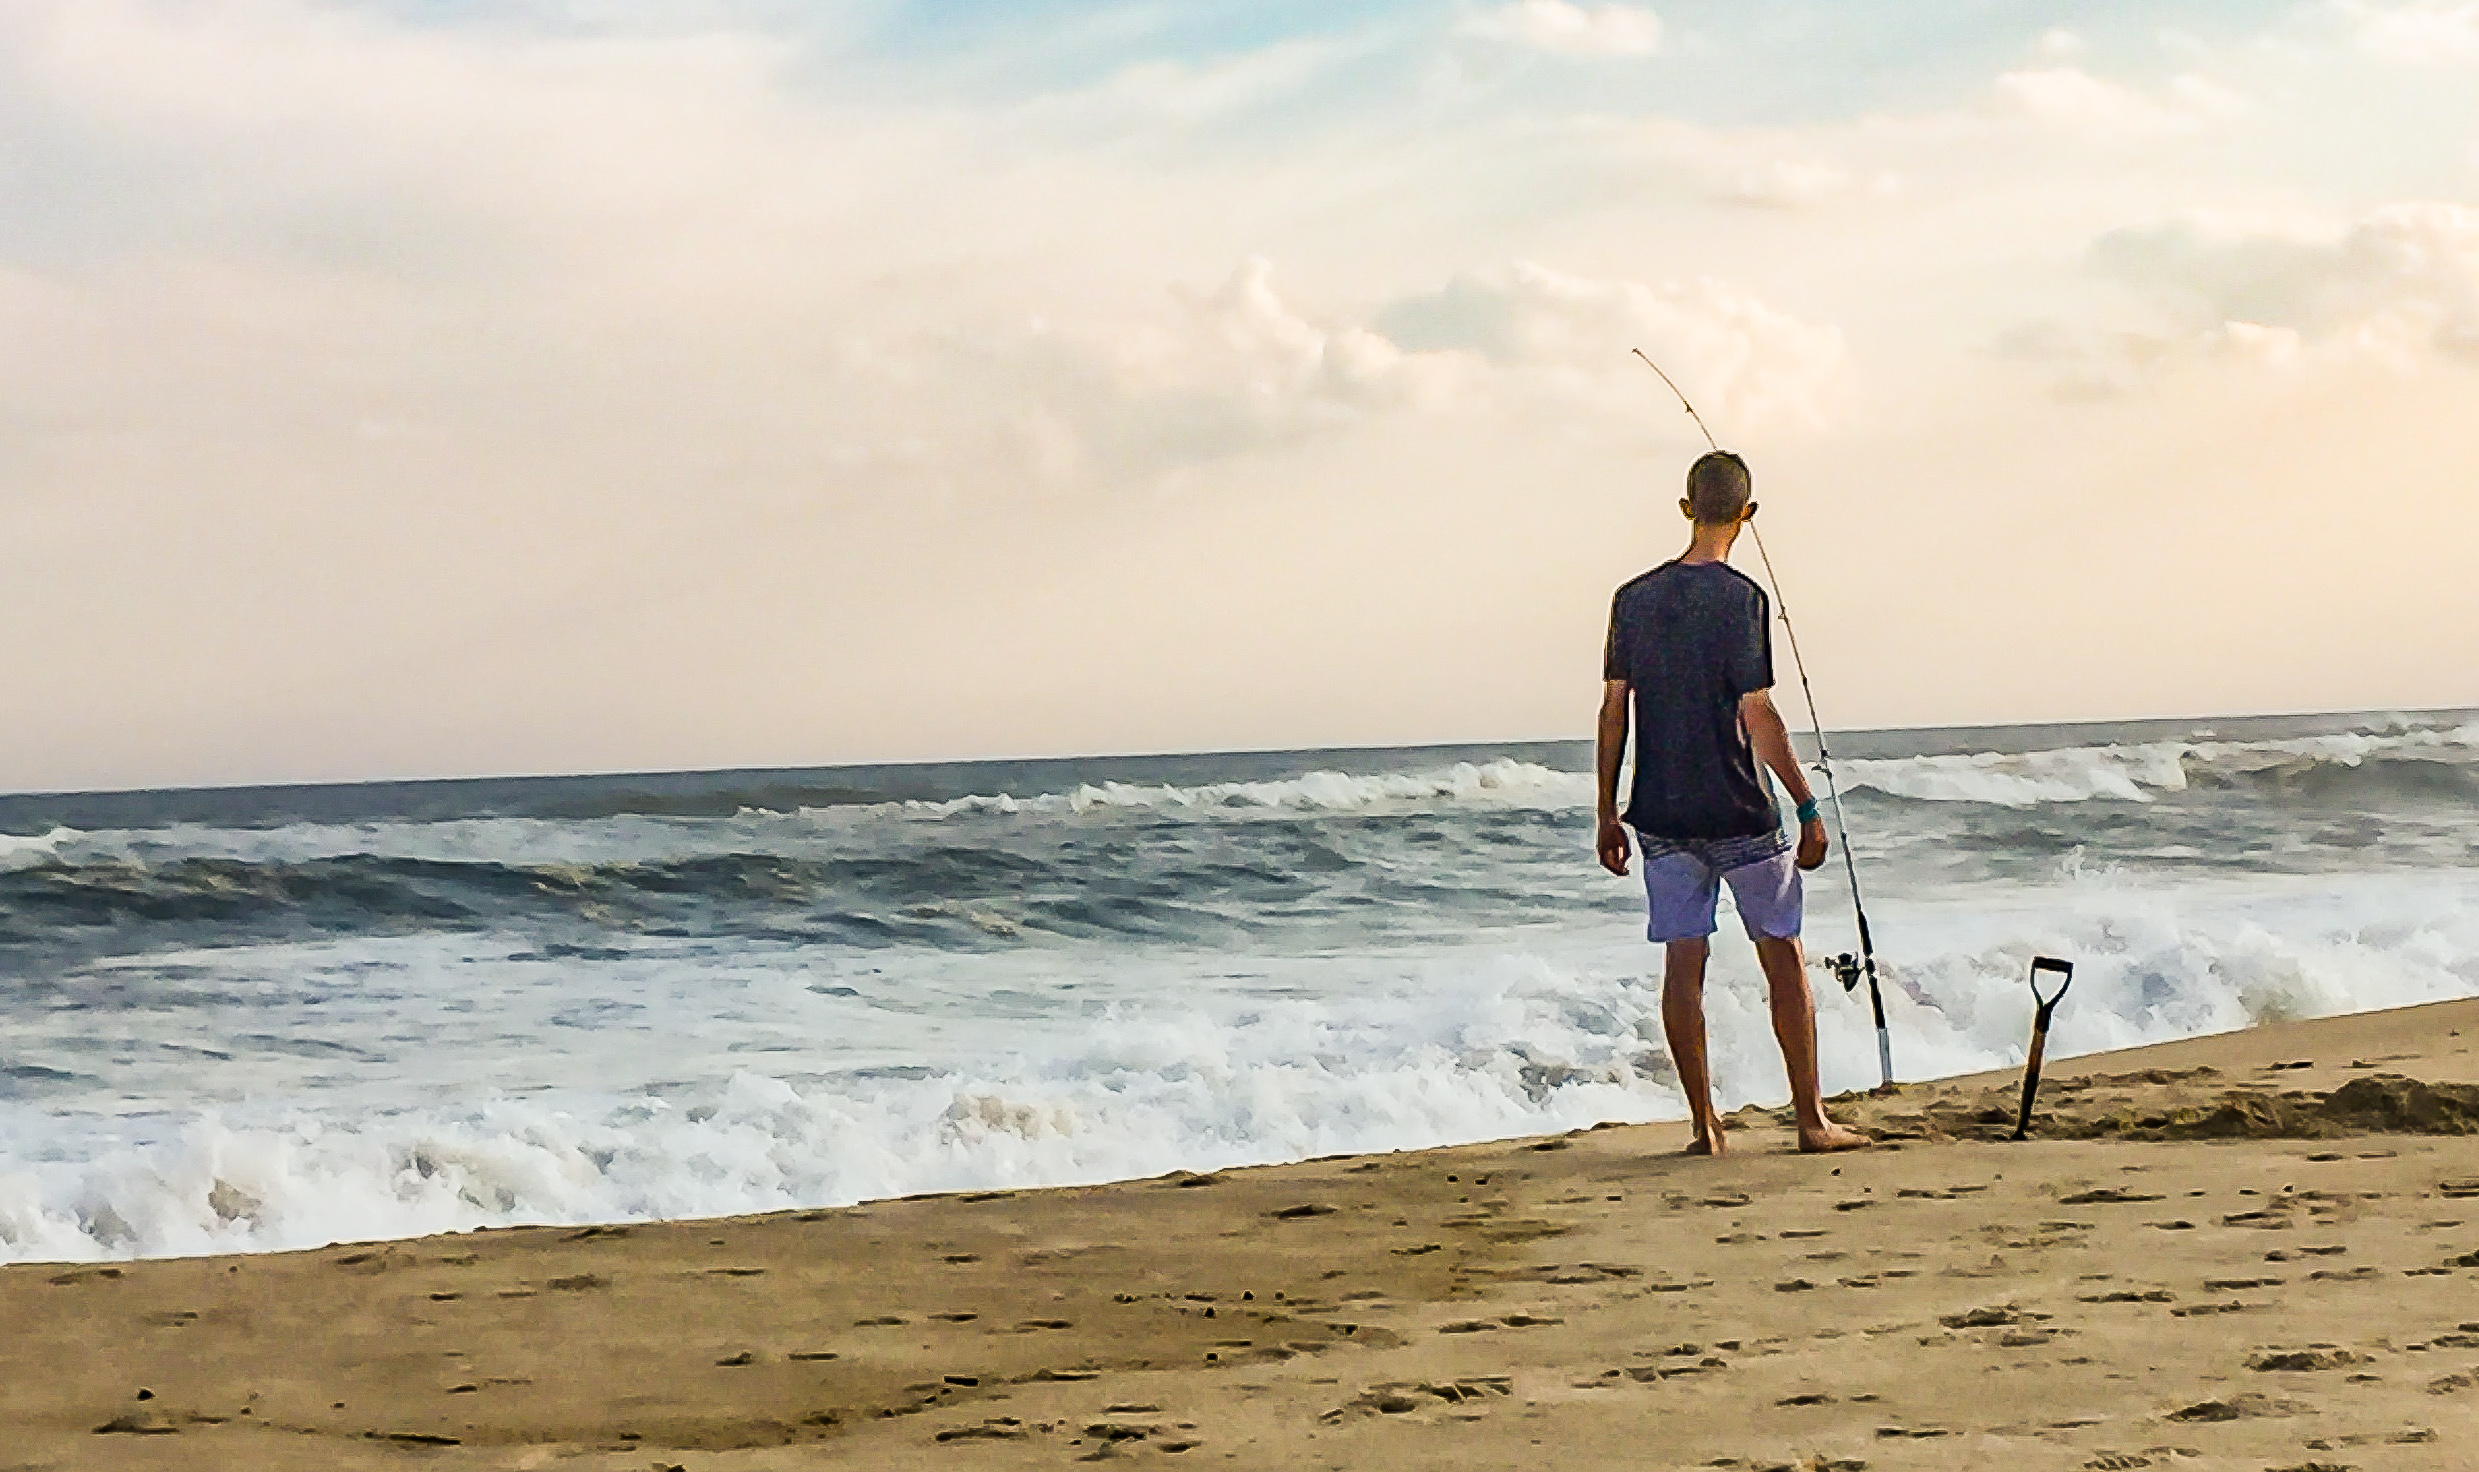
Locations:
(2249, 1406)
(2304, 1359)
(1991, 1317)
(1003, 1428)
(1399, 1398)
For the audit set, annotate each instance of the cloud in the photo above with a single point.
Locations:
(2425, 34)
(1108, 407)
(1194, 92)
(2398, 286)
(1747, 360)
(2404, 275)
(2074, 101)
(1797, 183)
(1565, 29)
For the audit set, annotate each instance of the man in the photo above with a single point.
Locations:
(1690, 649)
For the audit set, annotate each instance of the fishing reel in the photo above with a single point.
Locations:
(1846, 969)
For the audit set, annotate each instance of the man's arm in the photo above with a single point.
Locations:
(1771, 739)
(1609, 753)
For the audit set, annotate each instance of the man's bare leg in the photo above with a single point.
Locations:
(1794, 1027)
(1682, 1022)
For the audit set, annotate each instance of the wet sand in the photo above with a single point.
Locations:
(2253, 1251)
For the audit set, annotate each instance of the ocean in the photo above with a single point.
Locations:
(249, 1020)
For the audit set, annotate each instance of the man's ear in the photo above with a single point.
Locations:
(1749, 514)
(1687, 508)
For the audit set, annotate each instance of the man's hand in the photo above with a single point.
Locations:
(1812, 844)
(1613, 847)
(1609, 753)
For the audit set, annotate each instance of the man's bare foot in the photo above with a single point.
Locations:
(1831, 1138)
(1704, 1144)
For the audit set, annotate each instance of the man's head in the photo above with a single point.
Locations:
(1717, 490)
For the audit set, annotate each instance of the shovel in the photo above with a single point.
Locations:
(2047, 1004)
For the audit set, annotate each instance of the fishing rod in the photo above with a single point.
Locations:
(1846, 967)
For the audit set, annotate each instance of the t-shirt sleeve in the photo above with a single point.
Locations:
(1751, 653)
(1614, 662)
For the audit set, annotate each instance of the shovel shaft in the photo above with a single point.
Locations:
(2031, 1075)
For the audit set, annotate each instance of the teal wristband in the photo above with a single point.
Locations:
(1807, 811)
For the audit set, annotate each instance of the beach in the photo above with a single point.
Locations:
(2253, 1250)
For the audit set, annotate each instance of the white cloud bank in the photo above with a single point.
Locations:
(1754, 363)
(2401, 280)
(2417, 35)
(2073, 100)
(1134, 403)
(1564, 29)
(2397, 287)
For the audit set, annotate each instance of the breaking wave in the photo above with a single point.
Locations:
(1356, 1053)
(2411, 764)
(307, 1021)
(1504, 781)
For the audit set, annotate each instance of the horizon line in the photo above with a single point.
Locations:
(8, 795)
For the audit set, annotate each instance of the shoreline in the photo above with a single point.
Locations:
(2241, 1259)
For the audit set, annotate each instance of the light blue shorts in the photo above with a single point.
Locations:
(1682, 892)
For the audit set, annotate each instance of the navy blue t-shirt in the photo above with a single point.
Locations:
(1692, 638)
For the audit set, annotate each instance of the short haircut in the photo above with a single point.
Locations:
(1718, 486)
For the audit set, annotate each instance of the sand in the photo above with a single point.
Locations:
(2252, 1251)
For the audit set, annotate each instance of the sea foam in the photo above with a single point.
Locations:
(1324, 1054)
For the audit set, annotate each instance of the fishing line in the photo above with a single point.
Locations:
(1848, 968)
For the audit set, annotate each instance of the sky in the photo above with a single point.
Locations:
(398, 388)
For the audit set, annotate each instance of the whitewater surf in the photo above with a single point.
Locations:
(257, 1020)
